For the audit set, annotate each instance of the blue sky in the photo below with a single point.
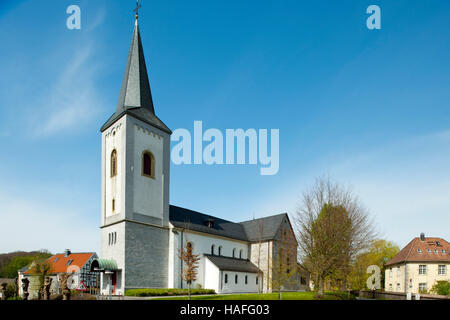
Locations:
(369, 108)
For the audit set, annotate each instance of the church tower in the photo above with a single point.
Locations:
(135, 184)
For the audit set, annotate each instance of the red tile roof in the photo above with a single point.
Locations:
(423, 251)
(59, 262)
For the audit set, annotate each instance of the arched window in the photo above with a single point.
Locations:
(220, 250)
(113, 163)
(148, 164)
(226, 278)
(234, 252)
(236, 279)
(212, 249)
(241, 254)
(246, 279)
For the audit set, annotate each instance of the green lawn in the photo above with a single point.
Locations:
(264, 296)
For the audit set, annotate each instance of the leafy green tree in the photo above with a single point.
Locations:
(379, 253)
(13, 266)
(332, 229)
(442, 288)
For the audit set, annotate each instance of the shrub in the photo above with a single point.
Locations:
(442, 288)
(166, 292)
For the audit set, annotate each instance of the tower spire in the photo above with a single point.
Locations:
(135, 91)
(135, 96)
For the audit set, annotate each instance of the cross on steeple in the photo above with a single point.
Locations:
(138, 6)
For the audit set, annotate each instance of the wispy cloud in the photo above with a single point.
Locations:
(72, 101)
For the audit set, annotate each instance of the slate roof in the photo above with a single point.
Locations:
(232, 264)
(410, 252)
(246, 231)
(264, 228)
(193, 220)
(135, 95)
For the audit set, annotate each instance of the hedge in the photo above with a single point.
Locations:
(166, 292)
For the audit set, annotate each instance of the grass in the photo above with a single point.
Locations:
(267, 296)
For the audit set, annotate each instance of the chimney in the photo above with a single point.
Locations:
(422, 237)
(67, 253)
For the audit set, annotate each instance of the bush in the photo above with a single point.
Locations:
(11, 290)
(442, 288)
(166, 292)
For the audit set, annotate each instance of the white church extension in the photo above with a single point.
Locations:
(141, 233)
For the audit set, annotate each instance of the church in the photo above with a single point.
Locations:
(141, 233)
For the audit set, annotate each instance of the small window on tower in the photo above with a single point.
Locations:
(113, 163)
(113, 205)
(148, 164)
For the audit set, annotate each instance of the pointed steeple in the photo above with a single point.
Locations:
(135, 95)
(135, 90)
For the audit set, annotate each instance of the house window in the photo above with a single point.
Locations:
(422, 269)
(419, 250)
(398, 271)
(256, 279)
(113, 205)
(390, 286)
(240, 254)
(212, 249)
(442, 269)
(422, 287)
(220, 250)
(234, 252)
(398, 287)
(236, 279)
(436, 251)
(443, 251)
(115, 237)
(113, 163)
(226, 278)
(69, 262)
(109, 238)
(148, 164)
(390, 273)
(428, 250)
(303, 280)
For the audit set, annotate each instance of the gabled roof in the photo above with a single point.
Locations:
(410, 253)
(232, 264)
(263, 229)
(246, 231)
(135, 96)
(196, 221)
(59, 262)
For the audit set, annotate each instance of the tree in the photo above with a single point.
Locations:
(442, 288)
(379, 253)
(191, 262)
(40, 268)
(332, 229)
(17, 262)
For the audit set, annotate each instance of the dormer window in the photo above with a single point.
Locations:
(443, 251)
(210, 223)
(69, 262)
(428, 250)
(419, 250)
(436, 251)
